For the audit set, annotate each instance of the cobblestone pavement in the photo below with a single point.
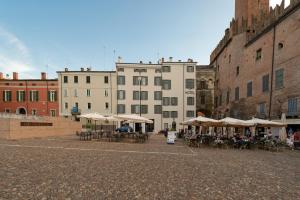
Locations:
(66, 168)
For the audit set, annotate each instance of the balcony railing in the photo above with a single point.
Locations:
(75, 111)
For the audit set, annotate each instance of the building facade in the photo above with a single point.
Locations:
(29, 96)
(86, 91)
(258, 63)
(205, 75)
(164, 92)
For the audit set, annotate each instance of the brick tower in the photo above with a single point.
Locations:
(245, 9)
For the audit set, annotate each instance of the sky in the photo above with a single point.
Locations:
(49, 35)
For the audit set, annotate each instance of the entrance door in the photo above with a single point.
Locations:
(21, 111)
(150, 127)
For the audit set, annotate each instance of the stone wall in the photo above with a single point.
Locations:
(12, 129)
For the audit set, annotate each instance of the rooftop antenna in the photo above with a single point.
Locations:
(114, 58)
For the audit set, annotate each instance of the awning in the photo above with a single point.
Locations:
(265, 123)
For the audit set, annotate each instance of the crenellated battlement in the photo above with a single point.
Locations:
(258, 25)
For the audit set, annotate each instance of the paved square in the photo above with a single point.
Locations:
(66, 168)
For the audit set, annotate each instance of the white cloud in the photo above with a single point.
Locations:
(14, 55)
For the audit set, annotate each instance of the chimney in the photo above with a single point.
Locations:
(82, 69)
(66, 69)
(162, 60)
(119, 59)
(150, 62)
(171, 59)
(1, 75)
(88, 69)
(15, 76)
(141, 62)
(43, 76)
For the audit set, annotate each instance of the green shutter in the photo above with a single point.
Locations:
(48, 95)
(37, 96)
(18, 98)
(55, 96)
(30, 95)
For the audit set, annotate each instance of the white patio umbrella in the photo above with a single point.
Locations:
(265, 123)
(228, 121)
(282, 133)
(199, 121)
(133, 118)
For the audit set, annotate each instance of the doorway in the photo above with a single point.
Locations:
(21, 111)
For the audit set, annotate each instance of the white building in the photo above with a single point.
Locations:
(86, 91)
(164, 92)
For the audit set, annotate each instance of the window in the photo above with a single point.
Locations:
(190, 113)
(166, 84)
(121, 80)
(34, 112)
(65, 79)
(229, 59)
(75, 79)
(106, 105)
(258, 54)
(106, 93)
(166, 101)
(75, 93)
(292, 106)
(202, 99)
(157, 95)
(237, 71)
(144, 95)
(174, 114)
(249, 89)
(52, 113)
(265, 83)
(157, 81)
(136, 95)
(7, 110)
(21, 96)
(189, 83)
(166, 114)
(190, 69)
(121, 108)
(203, 85)
(140, 70)
(157, 70)
(166, 125)
(65, 93)
(135, 109)
(6, 96)
(237, 93)
(52, 96)
(166, 69)
(88, 79)
(66, 105)
(144, 109)
(120, 69)
(121, 94)
(174, 101)
(88, 92)
(191, 101)
(105, 79)
(228, 97)
(34, 95)
(279, 78)
(138, 79)
(262, 108)
(157, 109)
(89, 106)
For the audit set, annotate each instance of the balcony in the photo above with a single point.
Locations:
(75, 111)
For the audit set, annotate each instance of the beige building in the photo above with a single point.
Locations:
(86, 91)
(164, 92)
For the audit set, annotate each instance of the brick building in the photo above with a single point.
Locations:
(258, 62)
(29, 96)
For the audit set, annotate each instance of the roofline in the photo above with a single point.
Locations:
(29, 79)
(85, 72)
